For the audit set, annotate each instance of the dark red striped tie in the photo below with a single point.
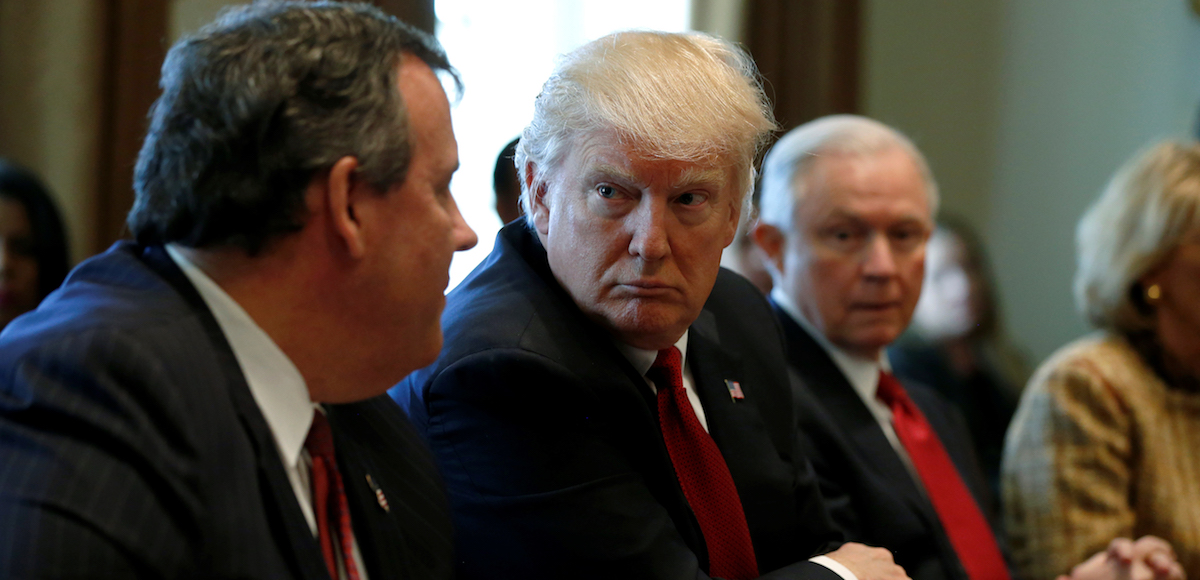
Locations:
(702, 474)
(329, 499)
(961, 517)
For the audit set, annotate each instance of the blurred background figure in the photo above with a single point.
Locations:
(744, 256)
(506, 184)
(33, 243)
(1104, 443)
(957, 345)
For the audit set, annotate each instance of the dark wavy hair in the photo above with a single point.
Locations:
(49, 235)
(257, 103)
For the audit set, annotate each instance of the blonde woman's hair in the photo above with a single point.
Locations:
(1148, 206)
(679, 96)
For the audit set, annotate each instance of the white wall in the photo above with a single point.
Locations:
(1025, 107)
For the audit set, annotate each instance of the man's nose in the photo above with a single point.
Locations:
(880, 259)
(648, 225)
(464, 237)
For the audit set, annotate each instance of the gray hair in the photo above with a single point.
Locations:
(790, 161)
(685, 96)
(1146, 209)
(259, 101)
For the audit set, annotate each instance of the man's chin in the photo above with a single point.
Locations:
(650, 327)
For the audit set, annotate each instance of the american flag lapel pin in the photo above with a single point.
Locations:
(379, 497)
(735, 390)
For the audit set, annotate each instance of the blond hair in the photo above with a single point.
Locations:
(1148, 206)
(681, 96)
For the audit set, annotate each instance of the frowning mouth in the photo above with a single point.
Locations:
(645, 288)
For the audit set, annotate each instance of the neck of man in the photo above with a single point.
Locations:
(281, 292)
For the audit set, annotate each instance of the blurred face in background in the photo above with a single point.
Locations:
(952, 301)
(18, 262)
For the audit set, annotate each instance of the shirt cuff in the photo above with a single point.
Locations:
(832, 564)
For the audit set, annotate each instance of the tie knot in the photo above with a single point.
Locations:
(320, 437)
(889, 390)
(667, 369)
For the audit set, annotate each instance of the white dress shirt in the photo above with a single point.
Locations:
(642, 360)
(276, 385)
(861, 373)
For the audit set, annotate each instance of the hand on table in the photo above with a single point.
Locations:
(1148, 558)
(869, 563)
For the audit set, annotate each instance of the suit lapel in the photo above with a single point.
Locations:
(288, 523)
(713, 370)
(374, 530)
(823, 377)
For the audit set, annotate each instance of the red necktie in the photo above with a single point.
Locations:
(960, 516)
(702, 474)
(329, 499)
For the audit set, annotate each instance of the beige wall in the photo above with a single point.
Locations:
(189, 15)
(1025, 107)
(49, 78)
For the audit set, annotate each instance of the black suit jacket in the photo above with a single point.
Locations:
(130, 446)
(871, 494)
(549, 442)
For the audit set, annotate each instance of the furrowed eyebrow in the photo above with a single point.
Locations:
(698, 175)
(605, 170)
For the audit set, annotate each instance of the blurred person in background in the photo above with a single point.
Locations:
(957, 346)
(745, 257)
(1104, 442)
(33, 243)
(506, 184)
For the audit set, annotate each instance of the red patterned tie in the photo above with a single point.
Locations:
(963, 521)
(702, 474)
(329, 499)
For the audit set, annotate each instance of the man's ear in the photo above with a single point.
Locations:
(735, 217)
(537, 200)
(770, 240)
(343, 191)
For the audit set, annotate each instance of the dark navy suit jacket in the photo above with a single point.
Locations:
(131, 447)
(870, 493)
(549, 442)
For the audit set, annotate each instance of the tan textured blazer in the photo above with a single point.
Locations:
(1099, 448)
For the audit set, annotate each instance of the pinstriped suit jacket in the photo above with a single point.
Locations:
(130, 447)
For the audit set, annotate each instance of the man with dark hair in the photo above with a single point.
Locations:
(507, 184)
(205, 402)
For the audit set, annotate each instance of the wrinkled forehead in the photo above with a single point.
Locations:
(607, 151)
(889, 176)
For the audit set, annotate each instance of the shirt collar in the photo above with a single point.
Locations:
(275, 382)
(643, 359)
(861, 373)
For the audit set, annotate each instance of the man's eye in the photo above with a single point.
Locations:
(692, 198)
(607, 191)
(906, 239)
